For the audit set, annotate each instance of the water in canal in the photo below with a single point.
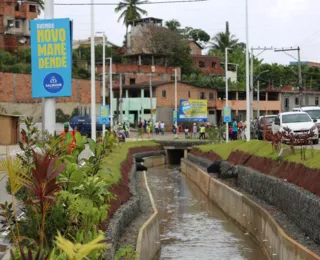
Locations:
(192, 227)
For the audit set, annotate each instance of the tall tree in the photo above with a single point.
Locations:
(173, 25)
(224, 40)
(130, 11)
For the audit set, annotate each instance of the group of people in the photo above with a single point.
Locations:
(73, 142)
(195, 129)
(148, 127)
(235, 128)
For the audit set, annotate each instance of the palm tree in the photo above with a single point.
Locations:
(130, 11)
(224, 40)
(173, 25)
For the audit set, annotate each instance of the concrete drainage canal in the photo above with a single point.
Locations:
(191, 226)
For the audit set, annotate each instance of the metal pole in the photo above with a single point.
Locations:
(258, 98)
(49, 104)
(176, 102)
(93, 79)
(150, 90)
(247, 74)
(121, 112)
(110, 94)
(227, 91)
(300, 77)
(251, 84)
(103, 79)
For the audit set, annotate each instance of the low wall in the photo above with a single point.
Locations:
(249, 215)
(154, 161)
(128, 211)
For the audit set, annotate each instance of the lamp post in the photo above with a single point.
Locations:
(258, 91)
(93, 78)
(49, 104)
(227, 89)
(175, 103)
(247, 74)
(103, 77)
(110, 92)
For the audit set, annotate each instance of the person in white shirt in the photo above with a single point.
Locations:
(195, 130)
(162, 127)
(156, 127)
(186, 131)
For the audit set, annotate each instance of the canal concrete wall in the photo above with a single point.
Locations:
(128, 211)
(249, 215)
(148, 242)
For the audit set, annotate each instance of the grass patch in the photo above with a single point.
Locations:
(118, 155)
(263, 149)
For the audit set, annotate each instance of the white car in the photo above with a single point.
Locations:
(314, 113)
(298, 122)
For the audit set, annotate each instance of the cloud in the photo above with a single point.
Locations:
(288, 8)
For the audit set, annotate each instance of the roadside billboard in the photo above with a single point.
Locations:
(193, 110)
(51, 58)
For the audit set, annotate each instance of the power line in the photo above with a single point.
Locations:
(143, 3)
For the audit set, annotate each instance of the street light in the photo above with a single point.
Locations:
(258, 91)
(175, 102)
(227, 89)
(103, 77)
(93, 78)
(247, 73)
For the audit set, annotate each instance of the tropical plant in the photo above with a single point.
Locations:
(30, 255)
(79, 251)
(224, 40)
(130, 11)
(43, 186)
(173, 25)
(128, 252)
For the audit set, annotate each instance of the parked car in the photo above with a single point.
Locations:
(298, 122)
(262, 121)
(314, 113)
(83, 122)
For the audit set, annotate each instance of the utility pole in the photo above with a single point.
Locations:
(299, 68)
(110, 93)
(227, 89)
(103, 79)
(121, 112)
(176, 102)
(258, 98)
(151, 105)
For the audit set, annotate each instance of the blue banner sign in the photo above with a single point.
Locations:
(104, 115)
(51, 58)
(227, 114)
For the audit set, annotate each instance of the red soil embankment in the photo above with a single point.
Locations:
(296, 173)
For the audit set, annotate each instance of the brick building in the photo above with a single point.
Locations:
(15, 23)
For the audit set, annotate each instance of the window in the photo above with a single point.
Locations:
(164, 93)
(32, 8)
(277, 120)
(211, 96)
(295, 118)
(316, 101)
(202, 95)
(214, 65)
(296, 101)
(17, 7)
(132, 81)
(286, 102)
(202, 64)
(10, 23)
(189, 94)
(146, 93)
(173, 77)
(17, 24)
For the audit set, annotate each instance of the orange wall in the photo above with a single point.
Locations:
(182, 93)
(242, 105)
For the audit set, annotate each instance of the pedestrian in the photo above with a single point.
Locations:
(174, 129)
(162, 127)
(234, 129)
(148, 130)
(186, 131)
(156, 127)
(151, 125)
(202, 132)
(145, 125)
(195, 130)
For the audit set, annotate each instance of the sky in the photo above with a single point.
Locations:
(276, 23)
